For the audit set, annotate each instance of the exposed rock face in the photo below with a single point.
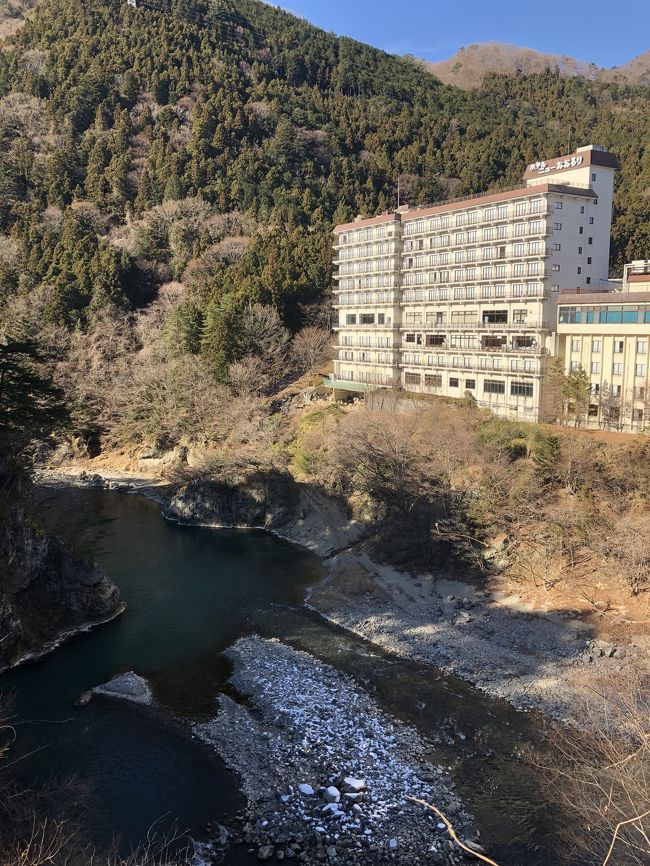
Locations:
(271, 500)
(46, 593)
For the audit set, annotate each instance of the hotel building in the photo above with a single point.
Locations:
(608, 335)
(461, 296)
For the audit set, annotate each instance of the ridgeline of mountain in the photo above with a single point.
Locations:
(217, 147)
(470, 65)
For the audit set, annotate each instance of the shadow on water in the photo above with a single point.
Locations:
(190, 593)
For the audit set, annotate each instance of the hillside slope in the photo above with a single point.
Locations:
(216, 148)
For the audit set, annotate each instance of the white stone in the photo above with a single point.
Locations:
(392, 844)
(354, 786)
(306, 790)
(332, 794)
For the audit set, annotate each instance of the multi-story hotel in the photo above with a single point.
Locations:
(461, 296)
(608, 334)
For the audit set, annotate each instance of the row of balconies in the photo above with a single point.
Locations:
(539, 294)
(507, 349)
(474, 364)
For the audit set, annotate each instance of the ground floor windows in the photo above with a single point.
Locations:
(494, 386)
(521, 389)
(412, 378)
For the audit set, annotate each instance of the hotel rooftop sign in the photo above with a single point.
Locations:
(544, 167)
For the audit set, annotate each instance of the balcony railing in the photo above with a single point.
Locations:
(481, 350)
(388, 326)
(474, 364)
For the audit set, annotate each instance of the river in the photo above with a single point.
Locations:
(190, 593)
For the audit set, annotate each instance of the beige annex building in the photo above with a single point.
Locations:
(608, 334)
(462, 296)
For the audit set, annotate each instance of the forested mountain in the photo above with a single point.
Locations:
(217, 147)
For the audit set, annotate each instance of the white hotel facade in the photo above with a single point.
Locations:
(461, 296)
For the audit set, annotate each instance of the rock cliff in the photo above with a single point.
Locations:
(270, 500)
(46, 593)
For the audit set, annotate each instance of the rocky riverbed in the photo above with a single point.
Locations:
(325, 772)
(531, 657)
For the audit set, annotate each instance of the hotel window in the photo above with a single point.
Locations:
(595, 366)
(491, 386)
(521, 389)
(500, 291)
(557, 247)
(588, 260)
(520, 208)
(470, 384)
(579, 270)
(590, 240)
(453, 382)
(617, 369)
(519, 317)
(351, 319)
(536, 206)
(434, 380)
(639, 392)
(619, 345)
(574, 365)
(616, 390)
(489, 213)
(575, 345)
(558, 205)
(519, 269)
(557, 226)
(472, 217)
(555, 287)
(556, 267)
(642, 347)
(518, 290)
(535, 227)
(588, 281)
(520, 229)
(591, 221)
(581, 230)
(412, 378)
(519, 249)
(502, 232)
(528, 366)
(582, 208)
(502, 211)
(639, 369)
(593, 175)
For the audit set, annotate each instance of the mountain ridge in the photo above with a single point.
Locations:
(470, 65)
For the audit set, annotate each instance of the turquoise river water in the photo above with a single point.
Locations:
(190, 593)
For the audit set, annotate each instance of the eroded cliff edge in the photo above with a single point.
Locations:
(46, 592)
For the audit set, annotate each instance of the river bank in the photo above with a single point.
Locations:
(326, 773)
(531, 656)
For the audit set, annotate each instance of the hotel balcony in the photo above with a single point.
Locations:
(475, 326)
(474, 365)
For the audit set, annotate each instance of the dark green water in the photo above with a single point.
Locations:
(190, 593)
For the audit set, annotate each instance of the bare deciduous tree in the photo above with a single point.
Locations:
(309, 348)
(601, 776)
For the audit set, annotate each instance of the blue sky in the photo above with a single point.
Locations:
(605, 33)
